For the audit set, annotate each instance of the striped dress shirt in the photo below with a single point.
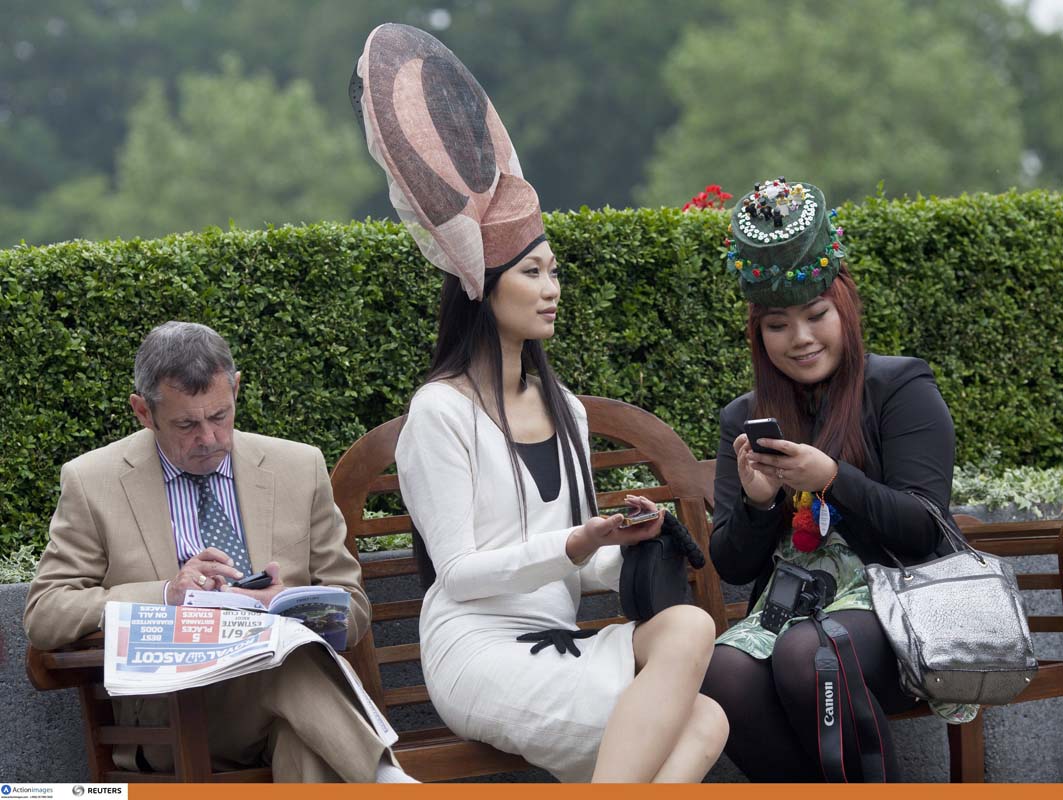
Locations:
(183, 497)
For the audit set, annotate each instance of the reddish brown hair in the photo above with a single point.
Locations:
(776, 395)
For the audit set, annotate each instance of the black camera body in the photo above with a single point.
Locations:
(795, 592)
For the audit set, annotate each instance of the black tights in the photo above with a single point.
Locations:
(771, 703)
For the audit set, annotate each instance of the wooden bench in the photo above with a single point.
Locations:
(434, 753)
(80, 666)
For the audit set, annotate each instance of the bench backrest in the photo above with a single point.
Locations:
(643, 439)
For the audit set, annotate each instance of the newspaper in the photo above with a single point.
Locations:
(323, 609)
(151, 649)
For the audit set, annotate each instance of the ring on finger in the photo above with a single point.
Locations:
(202, 580)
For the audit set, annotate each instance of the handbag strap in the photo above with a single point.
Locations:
(955, 539)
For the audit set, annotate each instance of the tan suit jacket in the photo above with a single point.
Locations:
(111, 537)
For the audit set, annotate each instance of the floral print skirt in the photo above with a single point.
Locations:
(834, 557)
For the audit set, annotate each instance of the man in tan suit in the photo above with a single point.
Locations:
(135, 522)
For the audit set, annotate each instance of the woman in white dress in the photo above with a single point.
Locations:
(493, 464)
(627, 709)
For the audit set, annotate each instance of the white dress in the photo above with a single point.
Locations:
(491, 586)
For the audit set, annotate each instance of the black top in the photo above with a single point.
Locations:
(543, 463)
(911, 446)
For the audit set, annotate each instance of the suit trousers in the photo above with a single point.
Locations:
(301, 716)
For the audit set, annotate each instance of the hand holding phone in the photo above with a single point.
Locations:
(260, 580)
(757, 429)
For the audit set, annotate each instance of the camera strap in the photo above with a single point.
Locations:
(838, 672)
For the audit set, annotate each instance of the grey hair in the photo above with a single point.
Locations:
(186, 354)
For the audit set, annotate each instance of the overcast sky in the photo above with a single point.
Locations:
(1046, 14)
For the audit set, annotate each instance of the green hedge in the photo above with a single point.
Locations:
(332, 325)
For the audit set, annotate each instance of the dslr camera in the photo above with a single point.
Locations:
(795, 592)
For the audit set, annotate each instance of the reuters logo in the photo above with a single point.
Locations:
(79, 790)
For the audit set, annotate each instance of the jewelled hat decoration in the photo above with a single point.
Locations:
(783, 243)
(453, 175)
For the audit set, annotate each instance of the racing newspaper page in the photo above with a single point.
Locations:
(151, 649)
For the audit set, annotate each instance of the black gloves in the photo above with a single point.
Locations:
(558, 637)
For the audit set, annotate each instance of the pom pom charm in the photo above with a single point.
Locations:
(806, 536)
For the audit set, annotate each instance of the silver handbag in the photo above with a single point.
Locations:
(957, 624)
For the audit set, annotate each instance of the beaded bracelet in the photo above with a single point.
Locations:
(822, 495)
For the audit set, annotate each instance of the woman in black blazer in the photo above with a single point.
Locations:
(861, 433)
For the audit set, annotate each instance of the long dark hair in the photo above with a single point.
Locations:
(468, 334)
(776, 395)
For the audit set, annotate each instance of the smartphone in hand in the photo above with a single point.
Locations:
(260, 580)
(636, 516)
(756, 429)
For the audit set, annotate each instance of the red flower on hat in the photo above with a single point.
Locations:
(711, 197)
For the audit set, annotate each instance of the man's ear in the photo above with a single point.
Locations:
(140, 408)
(236, 386)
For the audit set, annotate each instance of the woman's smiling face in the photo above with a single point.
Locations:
(804, 342)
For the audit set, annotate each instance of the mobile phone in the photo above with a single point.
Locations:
(756, 429)
(636, 516)
(260, 580)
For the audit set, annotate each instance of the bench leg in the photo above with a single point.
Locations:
(967, 751)
(96, 713)
(191, 752)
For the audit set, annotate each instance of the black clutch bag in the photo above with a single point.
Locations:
(654, 574)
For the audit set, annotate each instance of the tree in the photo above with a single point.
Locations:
(843, 94)
(235, 148)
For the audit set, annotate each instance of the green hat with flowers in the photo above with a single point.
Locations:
(783, 243)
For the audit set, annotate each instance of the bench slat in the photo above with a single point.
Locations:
(610, 459)
(458, 759)
(405, 696)
(736, 611)
(598, 624)
(121, 776)
(401, 523)
(1045, 625)
(1048, 682)
(398, 653)
(1007, 530)
(1019, 547)
(384, 484)
(389, 568)
(398, 609)
(73, 659)
(423, 736)
(251, 775)
(133, 734)
(658, 494)
(1040, 580)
